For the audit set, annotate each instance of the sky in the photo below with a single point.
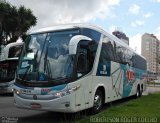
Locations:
(133, 17)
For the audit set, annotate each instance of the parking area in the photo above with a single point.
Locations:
(8, 110)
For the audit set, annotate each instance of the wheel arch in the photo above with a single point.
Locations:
(102, 89)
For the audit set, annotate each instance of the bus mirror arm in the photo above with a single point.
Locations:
(74, 43)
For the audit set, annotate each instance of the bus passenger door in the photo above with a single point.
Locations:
(83, 69)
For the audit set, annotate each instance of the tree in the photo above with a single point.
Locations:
(14, 22)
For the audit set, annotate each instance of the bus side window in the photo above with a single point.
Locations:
(82, 63)
(107, 52)
(15, 51)
(82, 58)
(92, 53)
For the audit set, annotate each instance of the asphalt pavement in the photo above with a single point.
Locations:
(152, 89)
(12, 114)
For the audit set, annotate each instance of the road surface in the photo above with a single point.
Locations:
(10, 112)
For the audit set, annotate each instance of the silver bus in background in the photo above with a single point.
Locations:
(9, 57)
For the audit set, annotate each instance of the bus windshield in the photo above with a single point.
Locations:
(45, 57)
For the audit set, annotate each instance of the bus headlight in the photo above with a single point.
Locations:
(66, 92)
(17, 91)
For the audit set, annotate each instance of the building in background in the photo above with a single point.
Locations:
(150, 49)
(122, 36)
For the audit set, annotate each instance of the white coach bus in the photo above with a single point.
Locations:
(69, 68)
(8, 64)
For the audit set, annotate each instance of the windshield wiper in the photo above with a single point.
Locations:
(47, 66)
(28, 68)
(35, 61)
(61, 78)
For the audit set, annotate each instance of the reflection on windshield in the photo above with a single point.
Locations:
(30, 56)
(57, 59)
(46, 57)
(7, 70)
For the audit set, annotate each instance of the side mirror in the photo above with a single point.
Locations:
(74, 42)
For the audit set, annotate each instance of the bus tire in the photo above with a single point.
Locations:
(98, 102)
(138, 92)
(142, 89)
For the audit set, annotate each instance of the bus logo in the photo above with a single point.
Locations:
(45, 90)
(130, 75)
(104, 71)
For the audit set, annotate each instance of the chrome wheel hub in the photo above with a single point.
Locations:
(137, 93)
(97, 102)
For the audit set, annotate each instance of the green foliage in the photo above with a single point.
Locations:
(14, 22)
(144, 108)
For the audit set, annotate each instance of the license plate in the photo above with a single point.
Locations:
(25, 91)
(3, 89)
(31, 91)
(35, 105)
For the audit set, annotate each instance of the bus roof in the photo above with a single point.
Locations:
(84, 25)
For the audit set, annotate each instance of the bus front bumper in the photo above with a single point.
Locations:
(62, 104)
(6, 89)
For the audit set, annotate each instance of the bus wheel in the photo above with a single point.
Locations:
(98, 102)
(138, 93)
